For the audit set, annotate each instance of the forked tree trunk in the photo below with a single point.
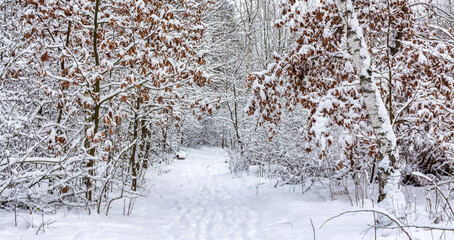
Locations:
(390, 195)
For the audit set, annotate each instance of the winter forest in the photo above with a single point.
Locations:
(226, 119)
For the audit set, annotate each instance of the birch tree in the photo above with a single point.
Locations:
(342, 49)
(390, 194)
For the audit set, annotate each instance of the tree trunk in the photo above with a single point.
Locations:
(390, 195)
(132, 161)
(144, 145)
(95, 117)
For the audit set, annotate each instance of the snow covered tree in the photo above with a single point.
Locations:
(427, 132)
(109, 72)
(354, 63)
(241, 39)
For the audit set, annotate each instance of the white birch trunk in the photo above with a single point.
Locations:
(390, 195)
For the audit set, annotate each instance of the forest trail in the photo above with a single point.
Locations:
(203, 202)
(199, 199)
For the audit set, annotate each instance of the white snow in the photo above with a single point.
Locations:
(395, 199)
(199, 199)
(422, 59)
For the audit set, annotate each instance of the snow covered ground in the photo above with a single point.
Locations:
(199, 199)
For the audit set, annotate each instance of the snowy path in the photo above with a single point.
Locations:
(205, 204)
(198, 199)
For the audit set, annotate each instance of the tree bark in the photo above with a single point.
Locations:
(390, 195)
(132, 161)
(95, 117)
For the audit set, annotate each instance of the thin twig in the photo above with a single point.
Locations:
(313, 228)
(401, 226)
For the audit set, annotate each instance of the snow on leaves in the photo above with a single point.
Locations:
(107, 73)
(411, 65)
